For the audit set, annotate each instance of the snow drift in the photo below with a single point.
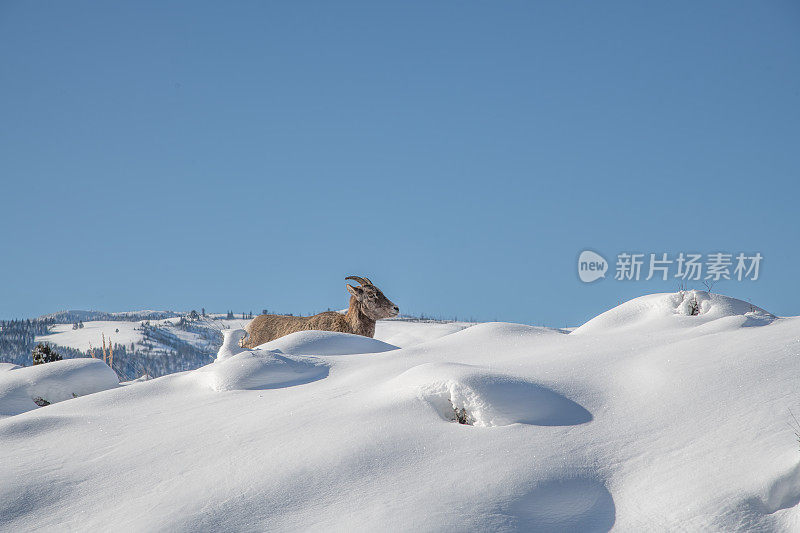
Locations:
(259, 369)
(485, 398)
(22, 387)
(231, 343)
(667, 413)
(658, 312)
(326, 343)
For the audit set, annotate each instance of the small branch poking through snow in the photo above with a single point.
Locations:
(41, 402)
(694, 306)
(795, 426)
(461, 416)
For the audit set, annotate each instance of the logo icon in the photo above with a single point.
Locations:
(591, 266)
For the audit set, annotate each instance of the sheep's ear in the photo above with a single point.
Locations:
(355, 291)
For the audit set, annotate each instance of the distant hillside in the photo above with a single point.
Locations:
(142, 342)
(149, 342)
(74, 315)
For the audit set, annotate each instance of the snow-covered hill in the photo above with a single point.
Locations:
(92, 333)
(140, 345)
(157, 347)
(667, 413)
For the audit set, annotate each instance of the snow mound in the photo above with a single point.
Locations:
(404, 333)
(488, 335)
(315, 342)
(492, 331)
(260, 369)
(480, 397)
(52, 382)
(231, 339)
(564, 504)
(762, 512)
(662, 428)
(681, 309)
(784, 492)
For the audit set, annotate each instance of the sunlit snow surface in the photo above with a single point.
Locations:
(93, 334)
(650, 417)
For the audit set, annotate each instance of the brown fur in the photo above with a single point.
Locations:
(367, 304)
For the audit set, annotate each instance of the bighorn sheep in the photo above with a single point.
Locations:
(367, 304)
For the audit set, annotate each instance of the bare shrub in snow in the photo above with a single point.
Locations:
(41, 402)
(795, 425)
(694, 306)
(462, 417)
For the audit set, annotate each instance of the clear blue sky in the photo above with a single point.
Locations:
(461, 154)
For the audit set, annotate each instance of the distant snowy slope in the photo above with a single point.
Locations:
(92, 334)
(158, 347)
(152, 347)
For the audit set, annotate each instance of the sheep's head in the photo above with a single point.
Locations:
(373, 303)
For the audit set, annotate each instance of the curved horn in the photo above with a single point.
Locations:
(362, 281)
(369, 282)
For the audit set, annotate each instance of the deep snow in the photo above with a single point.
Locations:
(52, 382)
(646, 418)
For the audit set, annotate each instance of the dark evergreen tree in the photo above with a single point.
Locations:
(44, 354)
